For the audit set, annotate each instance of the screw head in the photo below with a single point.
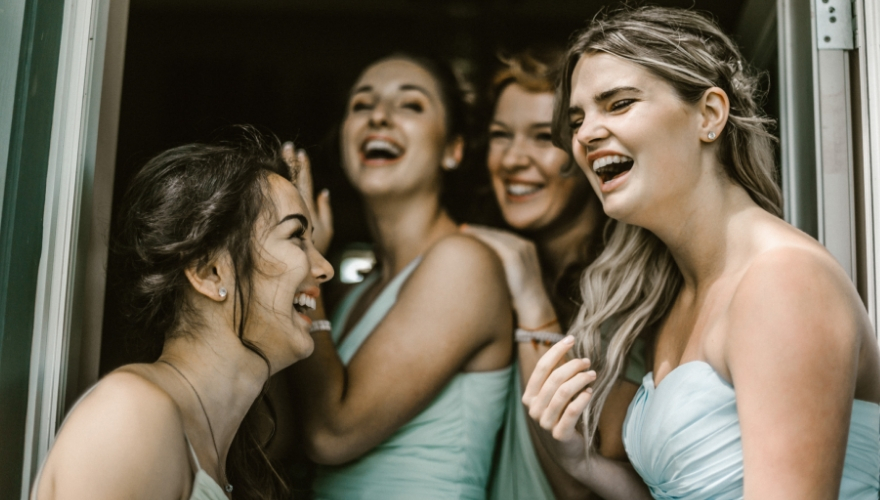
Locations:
(833, 19)
(827, 39)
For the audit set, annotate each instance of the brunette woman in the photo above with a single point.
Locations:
(216, 240)
(766, 369)
(405, 397)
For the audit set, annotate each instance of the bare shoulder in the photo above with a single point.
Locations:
(796, 299)
(132, 433)
(458, 258)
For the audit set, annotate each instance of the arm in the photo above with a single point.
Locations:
(453, 307)
(125, 440)
(792, 352)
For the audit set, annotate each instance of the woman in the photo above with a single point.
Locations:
(220, 259)
(659, 110)
(406, 396)
(542, 197)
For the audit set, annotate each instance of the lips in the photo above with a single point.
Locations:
(380, 150)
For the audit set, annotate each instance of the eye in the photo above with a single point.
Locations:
(621, 104)
(298, 234)
(413, 106)
(575, 124)
(361, 105)
(544, 137)
(498, 134)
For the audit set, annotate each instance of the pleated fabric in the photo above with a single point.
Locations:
(684, 439)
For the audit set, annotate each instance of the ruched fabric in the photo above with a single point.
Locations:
(684, 439)
(445, 452)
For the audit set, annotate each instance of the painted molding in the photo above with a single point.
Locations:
(70, 171)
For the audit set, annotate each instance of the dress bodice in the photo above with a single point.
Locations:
(445, 452)
(684, 439)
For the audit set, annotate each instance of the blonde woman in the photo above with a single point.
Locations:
(766, 372)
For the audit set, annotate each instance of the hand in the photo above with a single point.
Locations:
(557, 394)
(322, 215)
(523, 271)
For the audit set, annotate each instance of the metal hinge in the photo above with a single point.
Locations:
(835, 26)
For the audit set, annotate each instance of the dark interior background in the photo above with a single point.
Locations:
(193, 67)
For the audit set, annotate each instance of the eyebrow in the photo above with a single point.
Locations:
(300, 217)
(616, 90)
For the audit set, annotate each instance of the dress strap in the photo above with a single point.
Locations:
(192, 452)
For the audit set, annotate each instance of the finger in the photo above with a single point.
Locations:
(565, 429)
(304, 177)
(325, 213)
(544, 366)
(555, 380)
(288, 153)
(563, 396)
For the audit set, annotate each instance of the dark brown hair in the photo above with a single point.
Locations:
(183, 207)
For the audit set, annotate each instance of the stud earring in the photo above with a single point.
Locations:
(450, 164)
(222, 292)
(712, 136)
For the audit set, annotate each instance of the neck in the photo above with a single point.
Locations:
(706, 236)
(405, 227)
(226, 375)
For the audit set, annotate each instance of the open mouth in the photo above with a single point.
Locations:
(520, 189)
(304, 303)
(376, 150)
(612, 166)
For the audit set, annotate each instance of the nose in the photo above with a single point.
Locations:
(591, 133)
(379, 116)
(516, 155)
(322, 271)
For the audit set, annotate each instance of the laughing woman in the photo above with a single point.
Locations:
(218, 245)
(545, 198)
(766, 371)
(405, 397)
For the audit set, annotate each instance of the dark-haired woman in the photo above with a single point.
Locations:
(545, 198)
(405, 397)
(218, 246)
(766, 369)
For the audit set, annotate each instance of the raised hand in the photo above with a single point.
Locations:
(322, 215)
(523, 271)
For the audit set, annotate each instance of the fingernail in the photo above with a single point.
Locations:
(569, 339)
(287, 145)
(585, 360)
(300, 153)
(589, 390)
(325, 192)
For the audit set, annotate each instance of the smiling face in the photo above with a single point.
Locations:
(394, 133)
(526, 168)
(636, 140)
(285, 282)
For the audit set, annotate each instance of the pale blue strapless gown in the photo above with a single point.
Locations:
(684, 439)
(445, 452)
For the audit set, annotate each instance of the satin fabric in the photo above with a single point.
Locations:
(684, 439)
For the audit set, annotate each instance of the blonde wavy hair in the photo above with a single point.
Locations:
(634, 281)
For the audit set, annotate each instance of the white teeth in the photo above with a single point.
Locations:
(522, 189)
(382, 145)
(306, 301)
(610, 159)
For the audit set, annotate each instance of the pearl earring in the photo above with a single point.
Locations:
(222, 293)
(450, 164)
(712, 136)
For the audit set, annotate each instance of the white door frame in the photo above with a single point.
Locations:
(69, 181)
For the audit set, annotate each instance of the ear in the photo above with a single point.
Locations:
(454, 153)
(213, 279)
(714, 110)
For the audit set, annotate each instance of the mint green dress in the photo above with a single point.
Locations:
(445, 452)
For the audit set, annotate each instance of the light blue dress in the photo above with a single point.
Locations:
(684, 439)
(445, 452)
